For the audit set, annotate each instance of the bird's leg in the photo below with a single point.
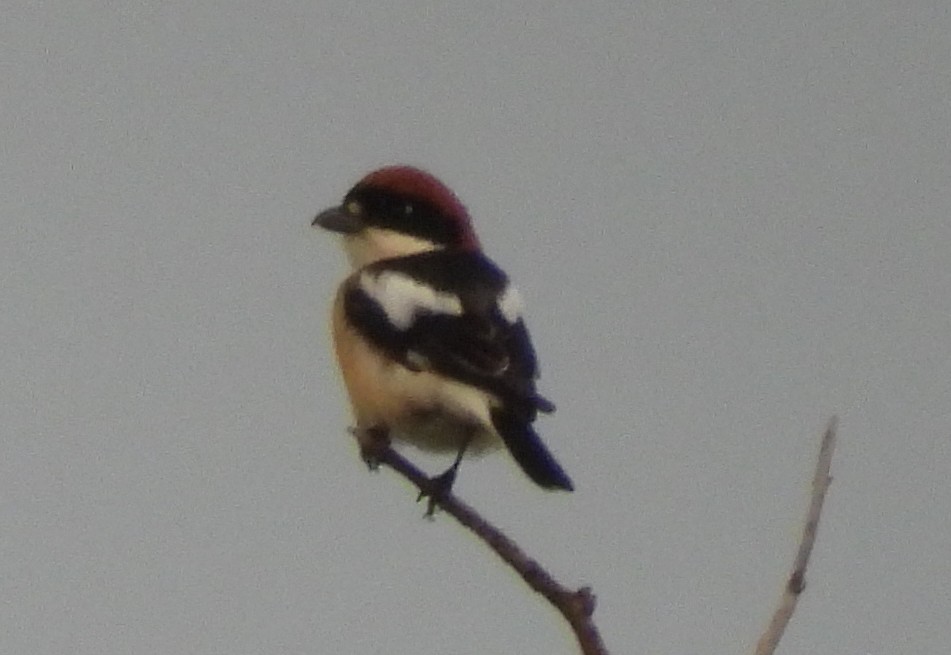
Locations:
(439, 486)
(373, 441)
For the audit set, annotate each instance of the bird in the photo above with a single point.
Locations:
(428, 332)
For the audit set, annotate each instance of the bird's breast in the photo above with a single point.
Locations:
(429, 410)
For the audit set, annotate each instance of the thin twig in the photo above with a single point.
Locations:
(577, 607)
(797, 579)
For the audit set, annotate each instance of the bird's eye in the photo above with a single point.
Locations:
(354, 208)
(408, 209)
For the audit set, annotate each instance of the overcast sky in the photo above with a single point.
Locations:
(729, 221)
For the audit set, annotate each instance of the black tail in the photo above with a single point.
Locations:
(529, 451)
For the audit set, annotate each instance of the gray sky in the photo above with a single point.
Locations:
(729, 220)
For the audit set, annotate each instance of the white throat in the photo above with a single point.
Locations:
(373, 244)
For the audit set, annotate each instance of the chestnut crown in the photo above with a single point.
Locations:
(406, 200)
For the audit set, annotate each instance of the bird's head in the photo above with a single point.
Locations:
(398, 211)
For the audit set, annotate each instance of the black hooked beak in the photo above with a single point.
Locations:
(338, 219)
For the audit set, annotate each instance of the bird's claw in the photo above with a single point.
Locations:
(437, 489)
(374, 443)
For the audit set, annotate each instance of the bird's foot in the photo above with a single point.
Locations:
(374, 442)
(437, 489)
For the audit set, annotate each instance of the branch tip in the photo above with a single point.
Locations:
(797, 579)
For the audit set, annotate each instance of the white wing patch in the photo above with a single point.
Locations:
(403, 298)
(510, 304)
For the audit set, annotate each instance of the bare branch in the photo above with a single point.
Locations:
(797, 579)
(577, 607)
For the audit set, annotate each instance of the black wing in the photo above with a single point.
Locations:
(475, 342)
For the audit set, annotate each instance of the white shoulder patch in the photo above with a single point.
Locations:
(510, 304)
(403, 298)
